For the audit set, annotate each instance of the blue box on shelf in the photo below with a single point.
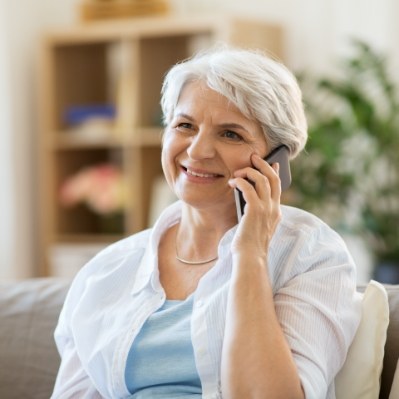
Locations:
(78, 114)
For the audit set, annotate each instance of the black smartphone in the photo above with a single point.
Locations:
(279, 155)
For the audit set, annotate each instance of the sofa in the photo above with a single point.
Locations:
(29, 360)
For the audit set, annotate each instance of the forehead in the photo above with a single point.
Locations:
(198, 94)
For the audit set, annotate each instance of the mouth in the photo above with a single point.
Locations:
(201, 173)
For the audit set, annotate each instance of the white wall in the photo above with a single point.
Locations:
(316, 33)
(316, 30)
(22, 23)
(7, 209)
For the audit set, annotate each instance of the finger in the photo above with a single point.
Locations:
(264, 187)
(247, 189)
(263, 166)
(271, 172)
(243, 184)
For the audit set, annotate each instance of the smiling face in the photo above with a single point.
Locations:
(207, 140)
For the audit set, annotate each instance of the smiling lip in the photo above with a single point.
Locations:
(200, 174)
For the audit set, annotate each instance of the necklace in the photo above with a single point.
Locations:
(193, 262)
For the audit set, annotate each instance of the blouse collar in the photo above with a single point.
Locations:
(149, 262)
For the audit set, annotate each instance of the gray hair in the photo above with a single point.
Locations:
(262, 89)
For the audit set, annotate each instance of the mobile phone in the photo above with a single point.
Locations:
(279, 155)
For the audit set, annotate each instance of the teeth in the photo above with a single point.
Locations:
(192, 173)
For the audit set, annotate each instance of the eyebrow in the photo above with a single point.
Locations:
(183, 115)
(231, 125)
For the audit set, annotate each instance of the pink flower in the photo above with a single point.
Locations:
(100, 187)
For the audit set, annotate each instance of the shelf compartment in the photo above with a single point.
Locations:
(79, 219)
(81, 76)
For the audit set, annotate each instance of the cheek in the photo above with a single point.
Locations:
(168, 158)
(239, 160)
(165, 163)
(166, 148)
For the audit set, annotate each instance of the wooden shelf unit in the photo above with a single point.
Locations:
(78, 67)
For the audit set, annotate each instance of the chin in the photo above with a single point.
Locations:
(208, 202)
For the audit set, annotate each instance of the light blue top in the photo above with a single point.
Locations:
(161, 362)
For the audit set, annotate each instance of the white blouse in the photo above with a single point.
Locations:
(314, 286)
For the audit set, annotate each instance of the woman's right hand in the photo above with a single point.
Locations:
(262, 210)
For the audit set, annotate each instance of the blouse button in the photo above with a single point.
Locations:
(199, 303)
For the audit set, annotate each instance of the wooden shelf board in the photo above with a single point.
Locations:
(87, 238)
(137, 27)
(143, 137)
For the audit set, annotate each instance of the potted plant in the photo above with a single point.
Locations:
(349, 174)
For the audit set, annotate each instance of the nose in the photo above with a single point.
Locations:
(202, 146)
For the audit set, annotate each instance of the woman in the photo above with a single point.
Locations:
(200, 305)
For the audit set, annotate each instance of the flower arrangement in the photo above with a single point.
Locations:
(101, 187)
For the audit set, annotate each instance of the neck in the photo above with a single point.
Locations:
(198, 235)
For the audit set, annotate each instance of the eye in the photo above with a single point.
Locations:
(183, 126)
(229, 134)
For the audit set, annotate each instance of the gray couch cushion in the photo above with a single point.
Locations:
(29, 360)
